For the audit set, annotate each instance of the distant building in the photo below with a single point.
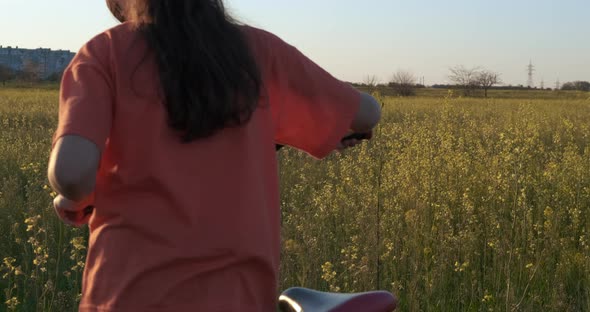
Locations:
(47, 61)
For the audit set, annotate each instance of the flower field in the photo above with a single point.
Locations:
(458, 204)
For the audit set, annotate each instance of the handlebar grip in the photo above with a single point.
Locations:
(358, 136)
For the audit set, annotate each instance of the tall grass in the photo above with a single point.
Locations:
(457, 205)
(41, 258)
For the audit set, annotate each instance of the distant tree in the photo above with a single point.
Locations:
(55, 77)
(403, 82)
(465, 78)
(576, 85)
(31, 71)
(583, 85)
(6, 73)
(487, 79)
(371, 82)
(568, 86)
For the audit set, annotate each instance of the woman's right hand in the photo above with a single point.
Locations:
(353, 140)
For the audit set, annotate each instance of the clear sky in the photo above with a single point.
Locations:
(353, 39)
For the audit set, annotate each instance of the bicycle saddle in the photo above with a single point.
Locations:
(299, 299)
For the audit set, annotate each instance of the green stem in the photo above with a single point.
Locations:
(57, 262)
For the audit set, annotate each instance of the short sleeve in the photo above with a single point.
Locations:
(315, 110)
(86, 95)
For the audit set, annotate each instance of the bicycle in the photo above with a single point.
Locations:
(298, 299)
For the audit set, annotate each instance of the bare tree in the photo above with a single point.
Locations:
(6, 73)
(371, 82)
(403, 82)
(465, 78)
(487, 79)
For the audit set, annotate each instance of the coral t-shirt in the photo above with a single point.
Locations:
(190, 227)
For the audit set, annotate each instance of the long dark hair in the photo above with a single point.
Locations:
(208, 72)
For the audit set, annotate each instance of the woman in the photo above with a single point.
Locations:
(165, 147)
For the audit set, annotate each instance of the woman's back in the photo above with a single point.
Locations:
(190, 226)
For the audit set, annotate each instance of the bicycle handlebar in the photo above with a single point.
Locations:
(357, 136)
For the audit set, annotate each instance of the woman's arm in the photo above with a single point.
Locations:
(84, 124)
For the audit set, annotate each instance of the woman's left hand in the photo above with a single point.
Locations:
(72, 213)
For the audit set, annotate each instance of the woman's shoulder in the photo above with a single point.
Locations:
(266, 45)
(111, 42)
(116, 35)
(261, 35)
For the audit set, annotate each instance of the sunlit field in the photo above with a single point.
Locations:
(458, 204)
